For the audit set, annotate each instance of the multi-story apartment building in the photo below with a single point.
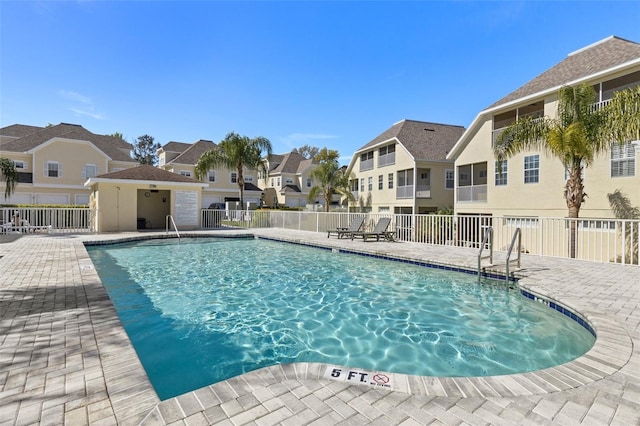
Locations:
(289, 181)
(532, 183)
(54, 162)
(181, 158)
(405, 170)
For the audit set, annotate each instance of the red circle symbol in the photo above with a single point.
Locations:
(381, 379)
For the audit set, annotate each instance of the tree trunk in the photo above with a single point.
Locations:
(574, 195)
(241, 187)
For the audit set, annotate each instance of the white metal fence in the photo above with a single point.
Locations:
(35, 219)
(599, 240)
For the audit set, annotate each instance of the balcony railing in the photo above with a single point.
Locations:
(495, 133)
(385, 160)
(404, 191)
(472, 193)
(366, 165)
(423, 191)
(599, 105)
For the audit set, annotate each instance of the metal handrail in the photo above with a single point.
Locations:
(166, 220)
(517, 233)
(488, 236)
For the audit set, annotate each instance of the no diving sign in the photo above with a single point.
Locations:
(359, 377)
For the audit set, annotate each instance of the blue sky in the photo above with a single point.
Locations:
(334, 74)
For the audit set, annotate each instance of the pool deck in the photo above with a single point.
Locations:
(66, 359)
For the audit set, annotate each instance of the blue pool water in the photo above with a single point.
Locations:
(204, 310)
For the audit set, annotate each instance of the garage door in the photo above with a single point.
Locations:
(19, 198)
(52, 198)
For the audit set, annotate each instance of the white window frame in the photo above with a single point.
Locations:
(380, 182)
(449, 179)
(532, 174)
(233, 177)
(390, 181)
(288, 181)
(309, 182)
(211, 176)
(185, 173)
(361, 184)
(58, 169)
(85, 174)
(248, 178)
(278, 182)
(623, 160)
(19, 164)
(370, 183)
(501, 179)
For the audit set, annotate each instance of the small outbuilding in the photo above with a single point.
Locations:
(142, 197)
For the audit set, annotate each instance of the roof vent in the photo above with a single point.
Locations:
(430, 130)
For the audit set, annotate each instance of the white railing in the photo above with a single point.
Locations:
(472, 193)
(404, 191)
(423, 191)
(599, 240)
(385, 160)
(366, 165)
(34, 219)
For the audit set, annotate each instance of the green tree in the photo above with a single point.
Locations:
(307, 151)
(117, 135)
(332, 178)
(144, 150)
(622, 209)
(10, 176)
(236, 152)
(622, 116)
(574, 137)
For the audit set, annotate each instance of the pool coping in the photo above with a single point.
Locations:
(596, 364)
(605, 376)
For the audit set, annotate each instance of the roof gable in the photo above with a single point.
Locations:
(290, 163)
(590, 60)
(18, 130)
(192, 154)
(423, 140)
(146, 172)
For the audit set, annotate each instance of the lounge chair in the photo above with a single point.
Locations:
(354, 226)
(380, 230)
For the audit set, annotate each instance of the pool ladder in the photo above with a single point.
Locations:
(168, 219)
(488, 240)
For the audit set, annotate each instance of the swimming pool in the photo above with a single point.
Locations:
(204, 310)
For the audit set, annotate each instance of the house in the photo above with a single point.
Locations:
(404, 170)
(531, 184)
(288, 181)
(181, 158)
(54, 162)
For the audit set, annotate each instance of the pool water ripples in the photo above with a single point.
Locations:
(211, 309)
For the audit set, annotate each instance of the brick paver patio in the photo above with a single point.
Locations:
(66, 359)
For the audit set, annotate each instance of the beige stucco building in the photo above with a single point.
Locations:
(288, 181)
(532, 183)
(181, 158)
(405, 170)
(54, 162)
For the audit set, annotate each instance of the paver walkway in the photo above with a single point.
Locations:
(65, 358)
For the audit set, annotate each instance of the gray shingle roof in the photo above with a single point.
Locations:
(175, 146)
(18, 130)
(192, 154)
(115, 148)
(290, 163)
(149, 173)
(590, 60)
(294, 188)
(423, 140)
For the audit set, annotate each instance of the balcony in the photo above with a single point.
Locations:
(404, 191)
(366, 165)
(423, 191)
(472, 193)
(385, 160)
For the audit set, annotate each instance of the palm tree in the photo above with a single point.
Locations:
(10, 175)
(332, 178)
(575, 137)
(235, 152)
(622, 116)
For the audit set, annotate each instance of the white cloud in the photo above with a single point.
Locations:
(89, 113)
(75, 96)
(295, 140)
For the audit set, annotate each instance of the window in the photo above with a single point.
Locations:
(532, 169)
(248, 178)
(449, 177)
(366, 161)
(234, 177)
(386, 155)
(390, 180)
(271, 184)
(52, 169)
(185, 173)
(288, 181)
(380, 182)
(19, 164)
(309, 182)
(278, 182)
(501, 172)
(89, 170)
(211, 176)
(405, 177)
(361, 184)
(623, 162)
(370, 183)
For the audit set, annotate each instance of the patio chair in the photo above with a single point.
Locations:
(354, 226)
(380, 230)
